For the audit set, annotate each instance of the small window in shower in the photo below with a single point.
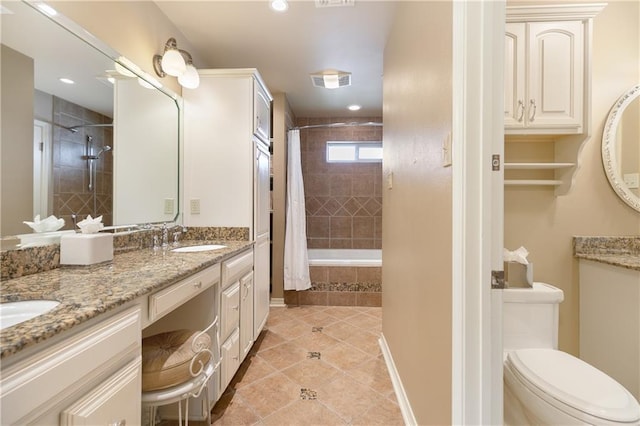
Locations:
(354, 152)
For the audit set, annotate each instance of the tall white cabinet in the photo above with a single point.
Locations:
(226, 167)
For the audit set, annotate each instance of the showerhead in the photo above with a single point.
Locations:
(105, 148)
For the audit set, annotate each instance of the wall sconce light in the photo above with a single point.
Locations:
(178, 63)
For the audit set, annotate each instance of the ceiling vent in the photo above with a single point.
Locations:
(331, 79)
(334, 3)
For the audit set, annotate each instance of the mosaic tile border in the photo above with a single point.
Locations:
(344, 287)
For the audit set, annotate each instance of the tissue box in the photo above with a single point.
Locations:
(518, 275)
(85, 249)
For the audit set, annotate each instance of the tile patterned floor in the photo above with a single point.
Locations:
(313, 365)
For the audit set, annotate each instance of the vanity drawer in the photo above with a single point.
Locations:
(236, 267)
(165, 301)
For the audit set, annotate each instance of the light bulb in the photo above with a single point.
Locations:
(173, 63)
(279, 5)
(331, 81)
(190, 78)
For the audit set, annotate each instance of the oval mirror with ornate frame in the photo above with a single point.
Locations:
(621, 147)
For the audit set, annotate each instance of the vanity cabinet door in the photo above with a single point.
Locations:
(246, 314)
(230, 359)
(109, 403)
(230, 309)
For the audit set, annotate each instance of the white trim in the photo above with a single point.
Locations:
(401, 395)
(478, 49)
(277, 302)
(555, 12)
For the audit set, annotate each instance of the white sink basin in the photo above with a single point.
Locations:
(193, 249)
(12, 313)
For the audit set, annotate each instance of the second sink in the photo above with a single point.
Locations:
(12, 313)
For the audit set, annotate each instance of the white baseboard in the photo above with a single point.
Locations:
(403, 401)
(277, 302)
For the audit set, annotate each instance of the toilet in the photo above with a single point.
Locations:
(545, 386)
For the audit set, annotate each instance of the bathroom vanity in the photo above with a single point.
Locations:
(610, 307)
(80, 362)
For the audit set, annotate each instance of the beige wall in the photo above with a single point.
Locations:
(545, 224)
(417, 229)
(136, 29)
(16, 146)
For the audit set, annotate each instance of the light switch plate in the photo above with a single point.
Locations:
(632, 180)
(168, 205)
(194, 206)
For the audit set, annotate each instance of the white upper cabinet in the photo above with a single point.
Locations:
(262, 111)
(514, 73)
(548, 68)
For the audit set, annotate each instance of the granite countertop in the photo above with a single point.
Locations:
(84, 292)
(623, 251)
(623, 260)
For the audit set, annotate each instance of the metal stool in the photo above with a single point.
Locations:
(167, 377)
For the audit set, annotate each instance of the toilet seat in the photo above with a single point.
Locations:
(573, 386)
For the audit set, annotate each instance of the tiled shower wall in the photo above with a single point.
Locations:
(343, 201)
(71, 194)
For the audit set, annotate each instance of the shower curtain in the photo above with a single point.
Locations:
(296, 260)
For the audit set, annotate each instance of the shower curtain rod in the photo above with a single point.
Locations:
(74, 129)
(351, 124)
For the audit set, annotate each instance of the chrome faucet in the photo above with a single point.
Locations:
(165, 235)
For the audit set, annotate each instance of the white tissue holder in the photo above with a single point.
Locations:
(86, 249)
(518, 275)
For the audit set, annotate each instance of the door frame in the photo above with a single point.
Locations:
(478, 134)
(42, 168)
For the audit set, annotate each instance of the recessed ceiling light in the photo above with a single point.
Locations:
(66, 80)
(279, 5)
(354, 107)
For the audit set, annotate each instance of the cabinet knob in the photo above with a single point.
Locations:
(198, 284)
(122, 422)
(235, 308)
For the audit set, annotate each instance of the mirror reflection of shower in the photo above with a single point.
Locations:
(92, 158)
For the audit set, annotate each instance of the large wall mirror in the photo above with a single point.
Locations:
(106, 145)
(621, 147)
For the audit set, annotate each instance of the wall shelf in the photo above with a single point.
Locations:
(532, 182)
(536, 166)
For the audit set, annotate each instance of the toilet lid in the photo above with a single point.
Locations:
(575, 383)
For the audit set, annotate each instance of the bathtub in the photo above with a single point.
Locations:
(344, 277)
(345, 257)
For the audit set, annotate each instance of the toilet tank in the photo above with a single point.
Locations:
(530, 317)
